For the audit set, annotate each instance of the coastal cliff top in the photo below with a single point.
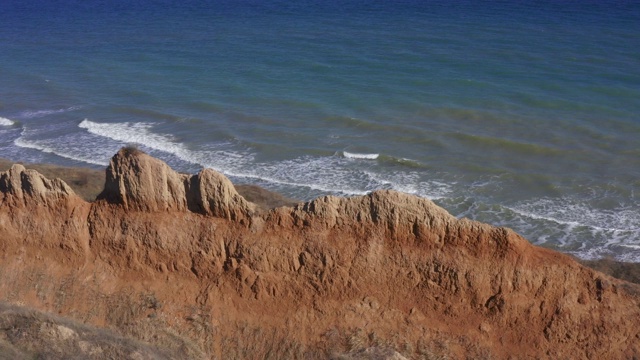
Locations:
(384, 275)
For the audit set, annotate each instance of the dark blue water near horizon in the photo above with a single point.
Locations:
(522, 114)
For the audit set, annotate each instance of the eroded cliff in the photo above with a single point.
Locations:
(186, 262)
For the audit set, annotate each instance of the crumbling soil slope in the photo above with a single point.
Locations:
(185, 262)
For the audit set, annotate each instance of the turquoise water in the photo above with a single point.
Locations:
(519, 114)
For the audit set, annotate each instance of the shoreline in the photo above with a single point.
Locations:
(88, 183)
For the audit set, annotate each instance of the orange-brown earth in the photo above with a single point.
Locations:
(185, 263)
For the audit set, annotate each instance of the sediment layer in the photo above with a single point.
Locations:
(186, 262)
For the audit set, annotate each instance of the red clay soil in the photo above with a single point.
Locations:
(187, 263)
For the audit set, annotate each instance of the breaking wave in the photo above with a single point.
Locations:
(6, 122)
(349, 155)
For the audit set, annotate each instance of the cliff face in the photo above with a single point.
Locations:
(186, 262)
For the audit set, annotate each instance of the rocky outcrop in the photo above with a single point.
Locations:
(140, 182)
(385, 273)
(20, 186)
(211, 193)
(47, 214)
(397, 216)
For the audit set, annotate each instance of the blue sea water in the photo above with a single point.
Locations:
(517, 113)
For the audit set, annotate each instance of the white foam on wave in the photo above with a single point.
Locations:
(545, 217)
(631, 253)
(333, 175)
(411, 183)
(30, 114)
(319, 175)
(350, 155)
(46, 147)
(576, 213)
(338, 176)
(142, 134)
(596, 232)
(318, 186)
(139, 133)
(6, 122)
(327, 174)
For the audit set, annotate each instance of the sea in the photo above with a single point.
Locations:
(523, 114)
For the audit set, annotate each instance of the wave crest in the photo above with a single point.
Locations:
(30, 114)
(6, 122)
(138, 133)
(350, 155)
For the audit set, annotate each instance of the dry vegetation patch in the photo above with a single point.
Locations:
(30, 334)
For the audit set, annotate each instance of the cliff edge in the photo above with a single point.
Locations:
(184, 261)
